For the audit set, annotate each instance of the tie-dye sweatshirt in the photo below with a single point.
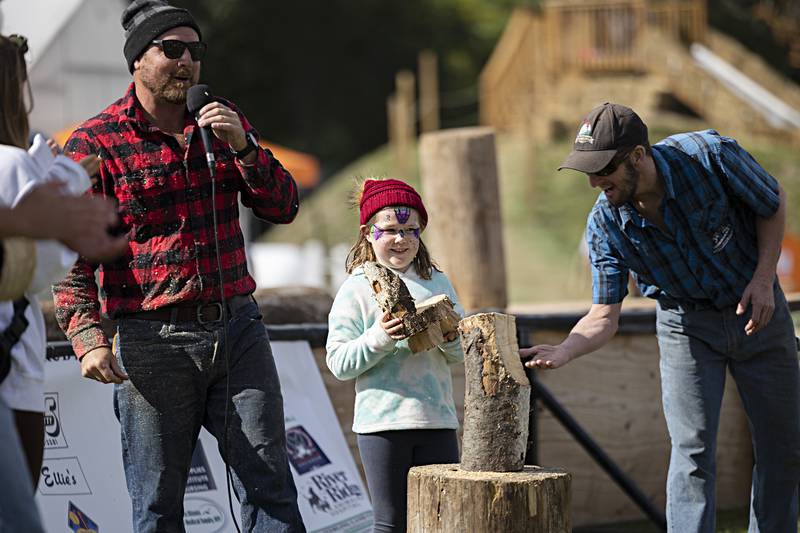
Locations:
(395, 389)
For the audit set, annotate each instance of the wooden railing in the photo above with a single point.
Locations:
(597, 36)
(603, 36)
(684, 21)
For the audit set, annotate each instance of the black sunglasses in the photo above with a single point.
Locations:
(174, 48)
(614, 164)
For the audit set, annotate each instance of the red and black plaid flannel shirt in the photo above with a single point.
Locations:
(164, 196)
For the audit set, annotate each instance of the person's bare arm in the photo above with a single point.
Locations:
(758, 292)
(591, 332)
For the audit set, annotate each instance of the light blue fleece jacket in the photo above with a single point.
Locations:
(395, 389)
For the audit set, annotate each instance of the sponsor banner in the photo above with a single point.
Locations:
(83, 483)
(330, 493)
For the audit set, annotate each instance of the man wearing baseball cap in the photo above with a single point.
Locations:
(699, 224)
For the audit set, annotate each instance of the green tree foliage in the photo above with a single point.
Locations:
(737, 19)
(315, 74)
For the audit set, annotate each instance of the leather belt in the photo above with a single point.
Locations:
(203, 313)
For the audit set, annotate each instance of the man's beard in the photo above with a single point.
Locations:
(628, 185)
(166, 88)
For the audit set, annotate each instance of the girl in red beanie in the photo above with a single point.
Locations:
(404, 411)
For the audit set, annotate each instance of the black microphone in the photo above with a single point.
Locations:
(197, 97)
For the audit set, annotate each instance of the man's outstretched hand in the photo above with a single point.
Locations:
(545, 356)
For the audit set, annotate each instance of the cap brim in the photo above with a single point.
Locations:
(588, 161)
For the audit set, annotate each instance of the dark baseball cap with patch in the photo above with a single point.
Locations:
(605, 130)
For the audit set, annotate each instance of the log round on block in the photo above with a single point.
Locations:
(444, 498)
(497, 399)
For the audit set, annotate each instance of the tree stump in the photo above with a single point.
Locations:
(443, 498)
(427, 324)
(497, 399)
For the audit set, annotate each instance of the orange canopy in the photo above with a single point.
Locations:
(304, 167)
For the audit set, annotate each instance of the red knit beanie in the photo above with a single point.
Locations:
(378, 194)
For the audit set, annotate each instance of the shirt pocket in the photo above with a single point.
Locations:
(142, 195)
(713, 226)
(145, 203)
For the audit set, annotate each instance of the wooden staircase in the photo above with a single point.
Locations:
(556, 62)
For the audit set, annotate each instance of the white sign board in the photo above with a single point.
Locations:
(82, 486)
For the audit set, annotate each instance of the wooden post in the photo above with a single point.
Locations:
(428, 92)
(391, 123)
(498, 395)
(459, 182)
(404, 121)
(444, 499)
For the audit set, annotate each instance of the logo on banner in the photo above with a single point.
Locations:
(332, 493)
(304, 452)
(63, 476)
(53, 433)
(200, 478)
(79, 522)
(202, 516)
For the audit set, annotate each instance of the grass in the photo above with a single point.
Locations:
(544, 211)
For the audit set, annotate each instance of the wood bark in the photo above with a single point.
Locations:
(497, 398)
(427, 324)
(444, 499)
(459, 177)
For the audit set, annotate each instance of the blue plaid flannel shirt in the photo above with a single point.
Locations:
(714, 190)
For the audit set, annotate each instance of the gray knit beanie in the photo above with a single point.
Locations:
(144, 20)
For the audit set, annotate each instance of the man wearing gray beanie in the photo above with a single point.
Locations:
(190, 349)
(144, 20)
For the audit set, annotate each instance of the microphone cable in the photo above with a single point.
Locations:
(227, 351)
(197, 97)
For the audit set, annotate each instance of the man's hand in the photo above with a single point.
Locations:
(545, 356)
(101, 365)
(759, 295)
(79, 222)
(393, 327)
(225, 124)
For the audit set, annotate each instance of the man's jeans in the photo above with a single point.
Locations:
(177, 384)
(697, 346)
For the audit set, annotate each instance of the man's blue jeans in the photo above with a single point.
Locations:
(178, 384)
(697, 347)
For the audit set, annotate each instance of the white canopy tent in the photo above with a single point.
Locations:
(75, 62)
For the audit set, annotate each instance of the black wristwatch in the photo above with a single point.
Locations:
(251, 145)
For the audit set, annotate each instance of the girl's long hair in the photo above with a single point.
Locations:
(362, 251)
(14, 126)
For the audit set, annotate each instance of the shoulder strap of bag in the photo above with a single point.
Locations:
(12, 335)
